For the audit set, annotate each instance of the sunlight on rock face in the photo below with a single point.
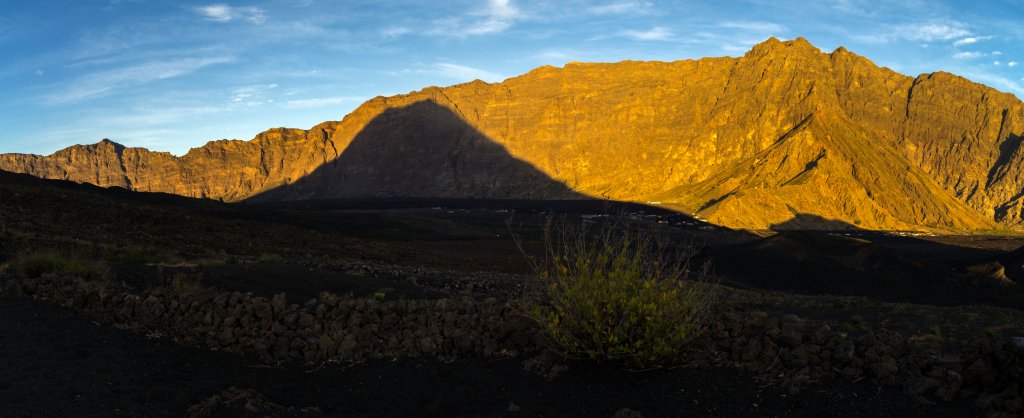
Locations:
(745, 142)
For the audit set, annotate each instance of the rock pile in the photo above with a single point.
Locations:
(327, 328)
(801, 351)
(343, 328)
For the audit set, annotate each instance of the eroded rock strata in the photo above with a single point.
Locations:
(748, 142)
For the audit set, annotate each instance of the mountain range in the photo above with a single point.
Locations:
(786, 136)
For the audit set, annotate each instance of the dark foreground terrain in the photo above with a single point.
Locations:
(56, 363)
(61, 362)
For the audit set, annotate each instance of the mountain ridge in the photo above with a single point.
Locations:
(681, 123)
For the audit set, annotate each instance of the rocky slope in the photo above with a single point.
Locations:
(783, 134)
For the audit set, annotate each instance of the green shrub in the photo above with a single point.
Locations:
(619, 293)
(271, 258)
(131, 254)
(35, 265)
(184, 285)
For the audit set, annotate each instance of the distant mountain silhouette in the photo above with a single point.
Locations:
(747, 142)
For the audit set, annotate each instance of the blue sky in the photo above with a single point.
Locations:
(173, 75)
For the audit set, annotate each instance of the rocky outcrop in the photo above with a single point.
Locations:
(750, 142)
(227, 170)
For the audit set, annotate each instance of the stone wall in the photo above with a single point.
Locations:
(329, 327)
(983, 368)
(790, 350)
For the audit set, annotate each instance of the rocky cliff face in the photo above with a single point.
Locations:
(783, 134)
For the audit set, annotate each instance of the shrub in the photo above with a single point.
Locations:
(35, 265)
(270, 258)
(113, 253)
(184, 285)
(619, 293)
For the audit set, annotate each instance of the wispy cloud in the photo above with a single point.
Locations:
(466, 73)
(496, 17)
(729, 42)
(754, 26)
(551, 56)
(321, 102)
(1011, 64)
(625, 7)
(657, 33)
(920, 32)
(875, 8)
(995, 81)
(149, 117)
(101, 83)
(394, 31)
(455, 72)
(970, 40)
(852, 7)
(934, 32)
(224, 13)
(253, 95)
(969, 55)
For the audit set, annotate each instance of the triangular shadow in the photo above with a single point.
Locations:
(422, 150)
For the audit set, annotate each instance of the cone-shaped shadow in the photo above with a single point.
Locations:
(423, 150)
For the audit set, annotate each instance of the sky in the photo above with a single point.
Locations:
(173, 75)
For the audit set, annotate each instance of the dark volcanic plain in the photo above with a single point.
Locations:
(60, 362)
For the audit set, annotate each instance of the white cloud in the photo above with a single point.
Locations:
(625, 7)
(970, 40)
(968, 55)
(215, 12)
(935, 32)
(150, 117)
(455, 72)
(496, 17)
(737, 49)
(101, 83)
(465, 73)
(394, 31)
(997, 53)
(321, 102)
(553, 55)
(996, 63)
(728, 42)
(1011, 64)
(920, 32)
(657, 33)
(224, 13)
(254, 95)
(754, 26)
(995, 81)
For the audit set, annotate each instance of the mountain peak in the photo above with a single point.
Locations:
(773, 46)
(801, 42)
(108, 142)
(830, 135)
